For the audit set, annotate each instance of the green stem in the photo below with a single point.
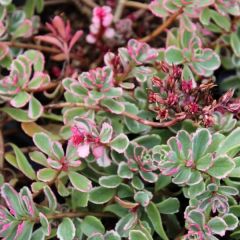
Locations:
(53, 116)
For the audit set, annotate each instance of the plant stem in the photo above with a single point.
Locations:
(79, 214)
(37, 47)
(49, 86)
(53, 117)
(61, 215)
(89, 3)
(125, 114)
(162, 27)
(137, 5)
(1, 148)
(119, 10)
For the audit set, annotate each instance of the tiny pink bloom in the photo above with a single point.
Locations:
(83, 150)
(98, 151)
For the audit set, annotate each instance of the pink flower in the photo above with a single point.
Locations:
(172, 98)
(83, 139)
(87, 139)
(100, 27)
(187, 86)
(193, 107)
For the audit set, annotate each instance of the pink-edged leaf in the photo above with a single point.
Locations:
(12, 200)
(46, 226)
(59, 57)
(74, 164)
(126, 204)
(24, 230)
(104, 160)
(157, 9)
(57, 150)
(75, 38)
(59, 24)
(50, 39)
(24, 30)
(54, 164)
(35, 109)
(20, 100)
(106, 133)
(80, 182)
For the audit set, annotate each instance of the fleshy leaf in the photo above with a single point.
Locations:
(66, 230)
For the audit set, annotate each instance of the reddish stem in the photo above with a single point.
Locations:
(162, 27)
(125, 114)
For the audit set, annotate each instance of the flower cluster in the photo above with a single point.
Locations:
(173, 97)
(100, 27)
(85, 135)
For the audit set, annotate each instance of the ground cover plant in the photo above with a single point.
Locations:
(120, 119)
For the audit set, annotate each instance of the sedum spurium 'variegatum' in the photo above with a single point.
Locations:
(123, 139)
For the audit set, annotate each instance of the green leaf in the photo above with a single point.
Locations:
(79, 199)
(236, 171)
(205, 16)
(197, 217)
(201, 140)
(120, 143)
(35, 109)
(111, 181)
(17, 114)
(173, 55)
(46, 174)
(112, 235)
(155, 218)
(80, 182)
(23, 30)
(222, 167)
(39, 5)
(100, 195)
(169, 206)
(66, 230)
(113, 106)
(90, 225)
(231, 220)
(137, 235)
(231, 142)
(46, 227)
(29, 8)
(23, 163)
(20, 100)
(143, 197)
(106, 133)
(143, 74)
(162, 182)
(52, 201)
(235, 43)
(124, 171)
(217, 226)
(38, 157)
(220, 20)
(37, 58)
(43, 142)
